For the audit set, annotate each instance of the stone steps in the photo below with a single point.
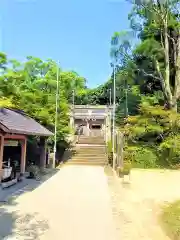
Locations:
(92, 159)
(81, 162)
(91, 140)
(89, 151)
(89, 156)
(86, 163)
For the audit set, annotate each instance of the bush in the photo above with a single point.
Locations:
(141, 157)
(152, 136)
(171, 220)
(125, 170)
(170, 151)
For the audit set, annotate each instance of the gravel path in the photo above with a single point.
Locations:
(72, 205)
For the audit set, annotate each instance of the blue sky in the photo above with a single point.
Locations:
(76, 33)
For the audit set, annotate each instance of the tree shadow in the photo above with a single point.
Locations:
(25, 186)
(17, 225)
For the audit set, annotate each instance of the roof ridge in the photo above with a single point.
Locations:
(20, 111)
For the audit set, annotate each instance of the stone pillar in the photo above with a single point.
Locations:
(1, 156)
(71, 121)
(88, 130)
(23, 155)
(42, 152)
(72, 127)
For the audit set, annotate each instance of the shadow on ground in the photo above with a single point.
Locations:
(30, 226)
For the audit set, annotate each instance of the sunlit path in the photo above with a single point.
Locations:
(72, 205)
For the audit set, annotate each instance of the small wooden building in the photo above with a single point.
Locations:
(15, 127)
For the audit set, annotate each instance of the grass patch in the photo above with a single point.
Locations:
(171, 220)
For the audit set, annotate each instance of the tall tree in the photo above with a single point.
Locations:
(160, 31)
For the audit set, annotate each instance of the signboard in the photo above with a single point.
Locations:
(11, 143)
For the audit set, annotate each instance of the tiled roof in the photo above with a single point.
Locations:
(17, 122)
(96, 111)
(87, 111)
(77, 116)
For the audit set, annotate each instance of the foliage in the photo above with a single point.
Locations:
(31, 87)
(147, 83)
(142, 157)
(170, 219)
(6, 102)
(152, 138)
(157, 56)
(125, 170)
(170, 151)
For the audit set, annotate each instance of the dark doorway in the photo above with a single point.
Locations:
(13, 153)
(95, 126)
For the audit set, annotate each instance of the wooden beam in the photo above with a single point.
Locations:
(1, 155)
(14, 136)
(23, 155)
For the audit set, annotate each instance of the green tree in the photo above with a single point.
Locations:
(31, 87)
(160, 34)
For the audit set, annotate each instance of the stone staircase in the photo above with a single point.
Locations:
(91, 140)
(89, 151)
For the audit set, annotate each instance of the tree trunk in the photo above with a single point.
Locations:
(172, 103)
(177, 68)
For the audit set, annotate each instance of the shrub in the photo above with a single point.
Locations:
(141, 157)
(153, 134)
(125, 170)
(145, 158)
(170, 150)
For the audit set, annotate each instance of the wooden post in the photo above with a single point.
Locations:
(23, 155)
(1, 155)
(42, 152)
